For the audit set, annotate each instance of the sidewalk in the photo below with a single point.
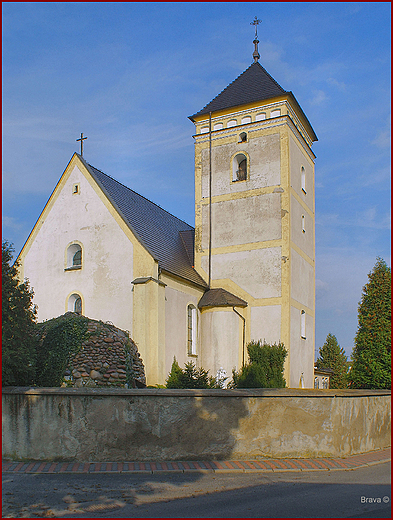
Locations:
(228, 466)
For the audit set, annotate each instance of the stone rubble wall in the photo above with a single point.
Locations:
(108, 358)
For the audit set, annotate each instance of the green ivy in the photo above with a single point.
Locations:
(59, 340)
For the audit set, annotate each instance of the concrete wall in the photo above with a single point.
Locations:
(117, 425)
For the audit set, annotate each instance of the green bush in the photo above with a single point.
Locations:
(265, 368)
(191, 377)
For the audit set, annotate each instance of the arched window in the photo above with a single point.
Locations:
(316, 382)
(242, 137)
(74, 256)
(246, 120)
(275, 113)
(75, 303)
(303, 179)
(303, 223)
(231, 122)
(218, 126)
(191, 330)
(260, 117)
(239, 167)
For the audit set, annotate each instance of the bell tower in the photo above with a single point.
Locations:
(255, 216)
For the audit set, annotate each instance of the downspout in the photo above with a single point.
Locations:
(244, 332)
(210, 198)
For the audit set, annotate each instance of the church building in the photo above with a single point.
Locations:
(245, 272)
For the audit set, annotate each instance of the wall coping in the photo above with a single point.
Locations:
(166, 392)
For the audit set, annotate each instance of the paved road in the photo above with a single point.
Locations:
(287, 494)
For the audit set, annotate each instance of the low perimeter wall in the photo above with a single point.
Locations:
(110, 425)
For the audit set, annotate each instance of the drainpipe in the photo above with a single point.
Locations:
(210, 198)
(244, 332)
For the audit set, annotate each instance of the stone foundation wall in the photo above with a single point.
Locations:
(113, 424)
(108, 358)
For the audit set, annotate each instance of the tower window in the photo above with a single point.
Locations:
(246, 120)
(204, 130)
(75, 189)
(260, 117)
(275, 113)
(239, 167)
(303, 223)
(303, 324)
(303, 179)
(191, 330)
(242, 137)
(75, 303)
(232, 122)
(218, 126)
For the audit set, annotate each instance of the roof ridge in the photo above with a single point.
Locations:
(136, 193)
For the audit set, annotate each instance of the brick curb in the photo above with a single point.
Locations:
(221, 466)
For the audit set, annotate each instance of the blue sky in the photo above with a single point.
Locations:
(128, 75)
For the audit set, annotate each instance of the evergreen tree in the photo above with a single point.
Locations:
(371, 357)
(331, 355)
(18, 319)
(191, 377)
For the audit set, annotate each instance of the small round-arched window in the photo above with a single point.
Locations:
(74, 256)
(242, 137)
(239, 167)
(75, 303)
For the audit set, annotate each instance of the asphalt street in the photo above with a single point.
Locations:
(358, 493)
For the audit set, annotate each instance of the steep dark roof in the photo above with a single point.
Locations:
(220, 298)
(167, 238)
(254, 84)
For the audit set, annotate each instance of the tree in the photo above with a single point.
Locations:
(265, 369)
(371, 357)
(191, 377)
(331, 355)
(18, 320)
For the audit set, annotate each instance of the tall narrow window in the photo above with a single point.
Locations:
(303, 223)
(239, 167)
(303, 179)
(303, 324)
(192, 330)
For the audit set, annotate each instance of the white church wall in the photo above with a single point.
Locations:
(263, 167)
(302, 280)
(104, 281)
(242, 221)
(304, 239)
(177, 298)
(301, 359)
(266, 323)
(221, 335)
(258, 272)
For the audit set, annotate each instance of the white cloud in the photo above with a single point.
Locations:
(319, 97)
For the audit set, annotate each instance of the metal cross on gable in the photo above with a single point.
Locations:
(81, 140)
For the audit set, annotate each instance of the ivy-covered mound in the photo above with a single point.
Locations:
(78, 351)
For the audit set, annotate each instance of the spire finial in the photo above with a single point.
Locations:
(255, 54)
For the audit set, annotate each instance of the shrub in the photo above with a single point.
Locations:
(265, 368)
(190, 377)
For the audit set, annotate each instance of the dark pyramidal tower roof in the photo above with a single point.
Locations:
(254, 84)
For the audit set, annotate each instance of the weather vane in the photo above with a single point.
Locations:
(81, 140)
(255, 54)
